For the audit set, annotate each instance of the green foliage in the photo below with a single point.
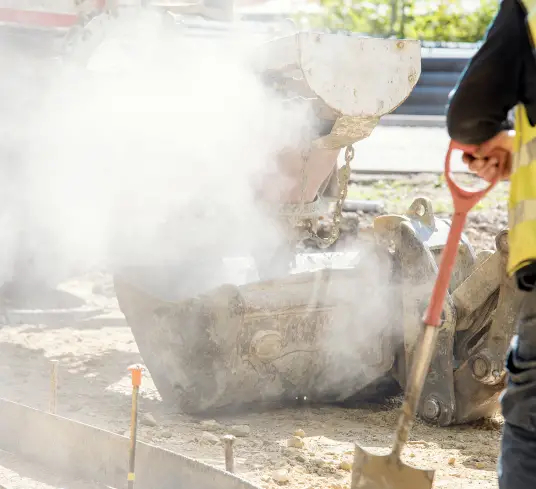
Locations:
(426, 20)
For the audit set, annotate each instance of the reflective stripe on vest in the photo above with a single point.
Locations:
(522, 201)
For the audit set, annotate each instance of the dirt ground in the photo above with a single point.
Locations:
(94, 387)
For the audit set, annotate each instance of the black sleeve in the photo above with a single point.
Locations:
(489, 86)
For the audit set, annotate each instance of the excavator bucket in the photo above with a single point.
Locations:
(326, 331)
(322, 326)
(321, 334)
(307, 335)
(331, 324)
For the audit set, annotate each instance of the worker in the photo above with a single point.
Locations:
(500, 77)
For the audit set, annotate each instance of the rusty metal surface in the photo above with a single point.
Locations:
(487, 320)
(419, 238)
(467, 372)
(324, 335)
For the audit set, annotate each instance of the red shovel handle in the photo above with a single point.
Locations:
(464, 200)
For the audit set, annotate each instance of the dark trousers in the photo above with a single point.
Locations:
(517, 461)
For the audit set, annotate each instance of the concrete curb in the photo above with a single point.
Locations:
(92, 454)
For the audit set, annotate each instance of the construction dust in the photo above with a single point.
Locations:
(145, 155)
(150, 152)
(145, 152)
(94, 389)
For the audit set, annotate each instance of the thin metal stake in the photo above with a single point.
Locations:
(136, 371)
(53, 385)
(228, 441)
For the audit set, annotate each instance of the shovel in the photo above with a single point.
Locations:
(388, 471)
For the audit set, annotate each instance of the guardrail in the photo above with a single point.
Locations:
(439, 75)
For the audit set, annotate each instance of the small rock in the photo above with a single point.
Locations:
(281, 476)
(211, 425)
(240, 430)
(452, 461)
(301, 458)
(345, 465)
(210, 438)
(265, 477)
(319, 462)
(295, 442)
(299, 433)
(166, 434)
(418, 442)
(147, 419)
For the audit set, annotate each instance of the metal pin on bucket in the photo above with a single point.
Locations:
(135, 371)
(53, 386)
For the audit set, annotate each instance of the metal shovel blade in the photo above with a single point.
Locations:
(387, 472)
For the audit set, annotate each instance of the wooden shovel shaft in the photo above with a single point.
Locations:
(425, 348)
(420, 367)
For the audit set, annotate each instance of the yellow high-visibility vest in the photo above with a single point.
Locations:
(522, 202)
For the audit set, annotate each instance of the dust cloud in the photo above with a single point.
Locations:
(149, 155)
(149, 152)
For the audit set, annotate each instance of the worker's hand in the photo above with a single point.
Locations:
(484, 162)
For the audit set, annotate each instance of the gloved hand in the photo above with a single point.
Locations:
(485, 163)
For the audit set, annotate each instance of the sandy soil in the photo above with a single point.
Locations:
(94, 388)
(94, 354)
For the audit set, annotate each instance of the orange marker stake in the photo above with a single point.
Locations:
(135, 371)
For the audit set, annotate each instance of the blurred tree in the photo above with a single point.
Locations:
(426, 20)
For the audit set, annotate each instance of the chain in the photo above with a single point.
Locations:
(305, 159)
(344, 179)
